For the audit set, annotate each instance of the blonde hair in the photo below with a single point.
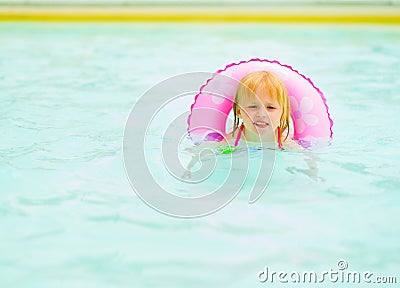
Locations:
(268, 83)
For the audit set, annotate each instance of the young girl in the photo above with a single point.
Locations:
(261, 116)
(262, 111)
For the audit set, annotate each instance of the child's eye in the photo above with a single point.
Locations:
(252, 106)
(270, 107)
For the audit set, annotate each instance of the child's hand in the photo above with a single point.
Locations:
(293, 145)
(187, 175)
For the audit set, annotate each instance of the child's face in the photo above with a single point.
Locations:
(262, 115)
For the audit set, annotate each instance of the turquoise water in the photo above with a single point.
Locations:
(69, 217)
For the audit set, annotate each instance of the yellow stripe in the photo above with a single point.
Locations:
(195, 17)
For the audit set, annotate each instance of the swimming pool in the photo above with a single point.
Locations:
(69, 217)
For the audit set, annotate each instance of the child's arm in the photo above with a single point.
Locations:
(311, 160)
(313, 166)
(188, 173)
(312, 171)
(198, 156)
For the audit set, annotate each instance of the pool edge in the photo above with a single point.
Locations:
(286, 14)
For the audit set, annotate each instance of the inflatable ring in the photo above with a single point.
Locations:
(213, 104)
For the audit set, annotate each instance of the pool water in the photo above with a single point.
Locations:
(69, 217)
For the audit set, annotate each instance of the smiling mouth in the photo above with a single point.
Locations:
(261, 124)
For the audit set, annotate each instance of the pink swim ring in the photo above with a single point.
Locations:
(212, 105)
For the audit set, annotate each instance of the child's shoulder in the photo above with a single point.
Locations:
(231, 136)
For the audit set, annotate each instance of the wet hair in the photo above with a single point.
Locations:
(270, 84)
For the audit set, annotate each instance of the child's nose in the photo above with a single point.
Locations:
(262, 112)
